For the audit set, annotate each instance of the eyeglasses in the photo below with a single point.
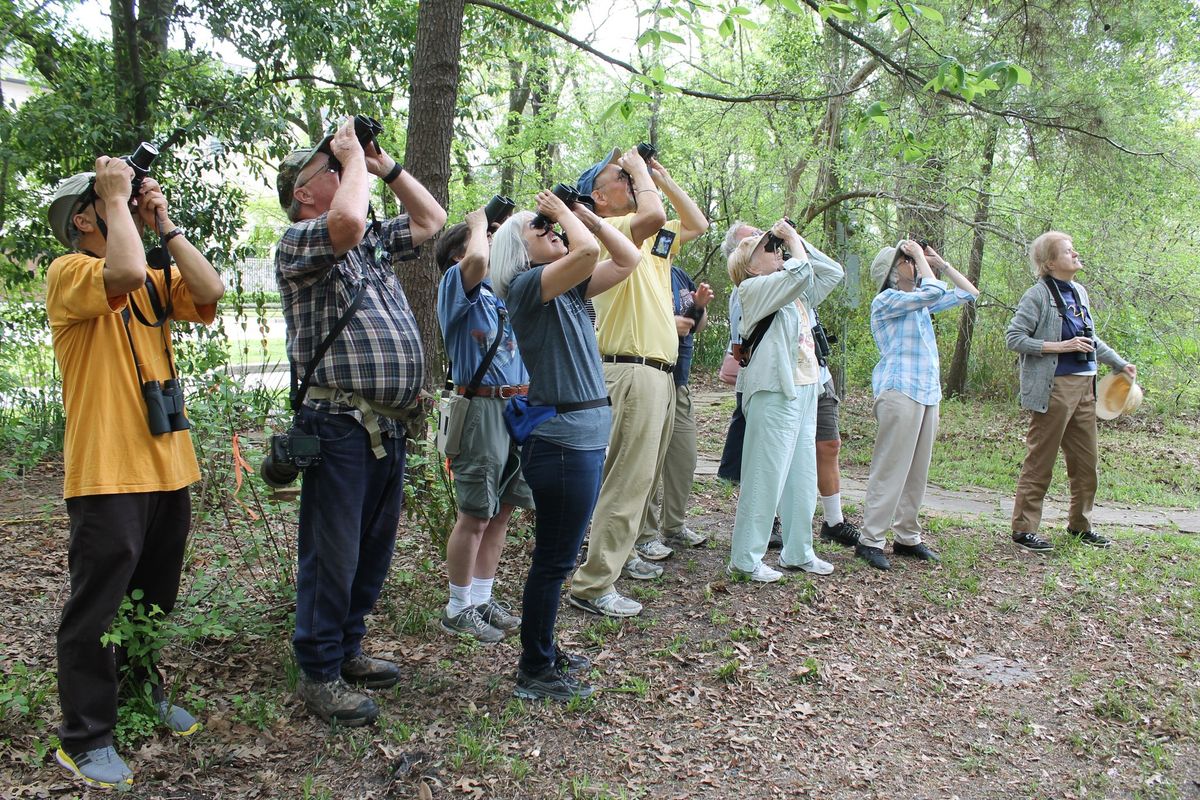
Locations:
(333, 165)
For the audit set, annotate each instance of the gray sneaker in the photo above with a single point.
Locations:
(101, 767)
(685, 538)
(335, 701)
(640, 570)
(499, 616)
(654, 550)
(471, 623)
(177, 719)
(613, 604)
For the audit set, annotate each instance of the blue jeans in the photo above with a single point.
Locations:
(349, 510)
(565, 484)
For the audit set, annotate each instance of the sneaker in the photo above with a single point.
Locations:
(101, 767)
(1091, 538)
(613, 604)
(373, 673)
(654, 550)
(571, 662)
(335, 701)
(640, 570)
(844, 533)
(177, 719)
(817, 566)
(761, 574)
(471, 623)
(776, 540)
(499, 616)
(873, 556)
(1031, 541)
(685, 538)
(555, 683)
(919, 551)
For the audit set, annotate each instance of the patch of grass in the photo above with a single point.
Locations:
(728, 670)
(599, 631)
(257, 709)
(809, 671)
(744, 633)
(673, 647)
(645, 592)
(637, 686)
(719, 618)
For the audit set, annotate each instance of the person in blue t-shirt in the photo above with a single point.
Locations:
(486, 465)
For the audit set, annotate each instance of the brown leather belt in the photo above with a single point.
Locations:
(503, 392)
(649, 362)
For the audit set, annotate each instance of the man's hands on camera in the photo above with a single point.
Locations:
(152, 206)
(114, 181)
(632, 162)
(936, 262)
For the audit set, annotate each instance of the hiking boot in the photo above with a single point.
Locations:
(654, 550)
(1090, 538)
(685, 538)
(177, 719)
(873, 556)
(761, 573)
(499, 616)
(554, 683)
(776, 540)
(373, 673)
(471, 623)
(1031, 541)
(101, 767)
(640, 570)
(613, 604)
(571, 662)
(817, 566)
(334, 701)
(844, 533)
(919, 551)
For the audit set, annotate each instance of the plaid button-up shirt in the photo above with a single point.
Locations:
(903, 331)
(378, 355)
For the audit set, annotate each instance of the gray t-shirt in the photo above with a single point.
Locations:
(558, 346)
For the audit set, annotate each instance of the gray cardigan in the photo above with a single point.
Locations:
(1037, 321)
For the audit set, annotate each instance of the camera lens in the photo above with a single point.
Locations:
(277, 474)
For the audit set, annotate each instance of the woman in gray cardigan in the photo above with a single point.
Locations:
(1053, 334)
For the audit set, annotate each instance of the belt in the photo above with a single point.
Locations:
(503, 392)
(370, 410)
(649, 362)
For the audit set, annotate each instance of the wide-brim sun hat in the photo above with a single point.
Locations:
(1117, 394)
(66, 201)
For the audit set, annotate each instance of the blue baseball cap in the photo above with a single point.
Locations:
(588, 178)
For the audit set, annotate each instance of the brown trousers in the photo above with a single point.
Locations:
(1068, 423)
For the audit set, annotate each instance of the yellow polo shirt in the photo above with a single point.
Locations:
(636, 317)
(108, 448)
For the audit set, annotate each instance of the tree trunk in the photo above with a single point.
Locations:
(518, 96)
(956, 380)
(435, 75)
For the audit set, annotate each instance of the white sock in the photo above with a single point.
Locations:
(460, 600)
(833, 509)
(481, 590)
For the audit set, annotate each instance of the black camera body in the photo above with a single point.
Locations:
(647, 151)
(164, 407)
(498, 209)
(569, 195)
(1087, 358)
(140, 160)
(288, 454)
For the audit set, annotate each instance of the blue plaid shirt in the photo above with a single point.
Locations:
(903, 331)
(378, 355)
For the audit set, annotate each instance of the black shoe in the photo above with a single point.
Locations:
(1090, 538)
(873, 556)
(844, 533)
(554, 683)
(918, 551)
(1031, 541)
(573, 663)
(776, 540)
(373, 673)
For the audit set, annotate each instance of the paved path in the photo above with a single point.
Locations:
(982, 502)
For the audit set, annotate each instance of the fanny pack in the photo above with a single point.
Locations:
(521, 417)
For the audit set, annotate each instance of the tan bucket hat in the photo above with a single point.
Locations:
(1117, 394)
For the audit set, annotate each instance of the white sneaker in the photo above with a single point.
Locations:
(816, 566)
(685, 538)
(640, 570)
(761, 574)
(613, 604)
(654, 550)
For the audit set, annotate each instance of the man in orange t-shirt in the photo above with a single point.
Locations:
(128, 455)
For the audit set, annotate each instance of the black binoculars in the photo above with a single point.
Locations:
(647, 151)
(822, 342)
(498, 209)
(140, 160)
(570, 196)
(1087, 358)
(773, 241)
(164, 407)
(289, 453)
(366, 129)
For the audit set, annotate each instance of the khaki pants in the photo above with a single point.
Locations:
(667, 511)
(1069, 423)
(899, 469)
(642, 418)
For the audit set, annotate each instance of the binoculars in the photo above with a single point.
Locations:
(822, 342)
(164, 407)
(140, 160)
(366, 129)
(1087, 358)
(289, 453)
(498, 209)
(647, 151)
(773, 241)
(569, 195)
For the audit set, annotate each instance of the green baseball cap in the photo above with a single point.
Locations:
(291, 166)
(65, 204)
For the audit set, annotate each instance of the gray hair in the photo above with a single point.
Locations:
(510, 254)
(731, 238)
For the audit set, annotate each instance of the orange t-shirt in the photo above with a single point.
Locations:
(108, 448)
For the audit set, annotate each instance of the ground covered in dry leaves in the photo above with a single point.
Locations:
(996, 674)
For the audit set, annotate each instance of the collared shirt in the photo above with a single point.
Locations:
(903, 331)
(378, 355)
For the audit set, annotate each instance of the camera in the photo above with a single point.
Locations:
(164, 407)
(569, 195)
(288, 454)
(498, 209)
(1087, 358)
(647, 151)
(366, 129)
(140, 160)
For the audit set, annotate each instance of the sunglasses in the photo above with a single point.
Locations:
(546, 228)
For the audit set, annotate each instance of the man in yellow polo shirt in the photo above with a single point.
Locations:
(127, 452)
(638, 340)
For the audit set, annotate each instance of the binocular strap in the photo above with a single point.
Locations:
(161, 325)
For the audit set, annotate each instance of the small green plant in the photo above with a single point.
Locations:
(809, 671)
(744, 633)
(645, 592)
(257, 709)
(636, 686)
(719, 618)
(728, 670)
(23, 691)
(598, 632)
(673, 647)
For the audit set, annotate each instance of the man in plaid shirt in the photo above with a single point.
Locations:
(350, 502)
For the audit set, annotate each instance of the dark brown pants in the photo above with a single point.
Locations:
(119, 543)
(1070, 424)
